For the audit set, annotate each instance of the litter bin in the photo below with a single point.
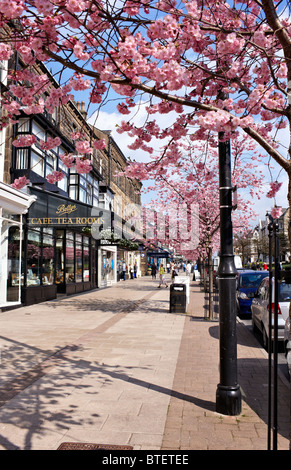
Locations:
(178, 298)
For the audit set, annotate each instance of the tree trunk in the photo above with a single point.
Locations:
(204, 275)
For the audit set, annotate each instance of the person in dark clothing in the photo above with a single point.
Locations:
(154, 271)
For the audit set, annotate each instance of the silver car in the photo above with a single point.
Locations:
(260, 309)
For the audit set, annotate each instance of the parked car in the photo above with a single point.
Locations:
(248, 282)
(260, 309)
(216, 260)
(287, 344)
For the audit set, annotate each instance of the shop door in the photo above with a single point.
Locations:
(94, 267)
(13, 265)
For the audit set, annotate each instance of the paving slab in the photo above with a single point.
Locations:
(114, 366)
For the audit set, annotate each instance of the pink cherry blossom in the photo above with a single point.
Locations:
(68, 160)
(50, 143)
(83, 165)
(99, 144)
(55, 176)
(24, 140)
(5, 51)
(20, 182)
(83, 147)
(274, 188)
(276, 212)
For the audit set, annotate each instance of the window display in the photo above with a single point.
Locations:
(70, 257)
(48, 255)
(13, 257)
(79, 258)
(86, 259)
(33, 257)
(107, 266)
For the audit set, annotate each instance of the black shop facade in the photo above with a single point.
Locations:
(60, 255)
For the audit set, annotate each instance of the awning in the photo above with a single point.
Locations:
(13, 201)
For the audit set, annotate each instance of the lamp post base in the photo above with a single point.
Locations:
(228, 400)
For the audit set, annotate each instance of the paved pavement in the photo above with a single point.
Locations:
(113, 366)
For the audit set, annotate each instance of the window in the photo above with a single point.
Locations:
(38, 131)
(40, 257)
(50, 162)
(48, 256)
(84, 188)
(21, 162)
(63, 184)
(79, 259)
(37, 163)
(3, 71)
(70, 258)
(13, 263)
(42, 162)
(23, 125)
(33, 257)
(95, 193)
(86, 259)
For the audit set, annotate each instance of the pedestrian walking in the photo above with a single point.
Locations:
(154, 271)
(124, 268)
(131, 272)
(162, 276)
(135, 270)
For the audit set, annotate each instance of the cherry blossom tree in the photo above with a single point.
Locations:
(221, 68)
(193, 182)
(182, 56)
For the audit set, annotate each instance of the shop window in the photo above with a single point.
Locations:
(70, 258)
(107, 267)
(86, 259)
(79, 259)
(48, 255)
(33, 257)
(13, 264)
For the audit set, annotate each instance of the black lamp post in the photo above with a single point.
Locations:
(228, 394)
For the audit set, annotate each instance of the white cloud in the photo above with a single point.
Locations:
(111, 120)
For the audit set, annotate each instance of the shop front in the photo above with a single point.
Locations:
(59, 254)
(14, 205)
(107, 265)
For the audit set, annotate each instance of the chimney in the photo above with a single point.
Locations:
(81, 108)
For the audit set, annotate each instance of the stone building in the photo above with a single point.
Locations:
(55, 246)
